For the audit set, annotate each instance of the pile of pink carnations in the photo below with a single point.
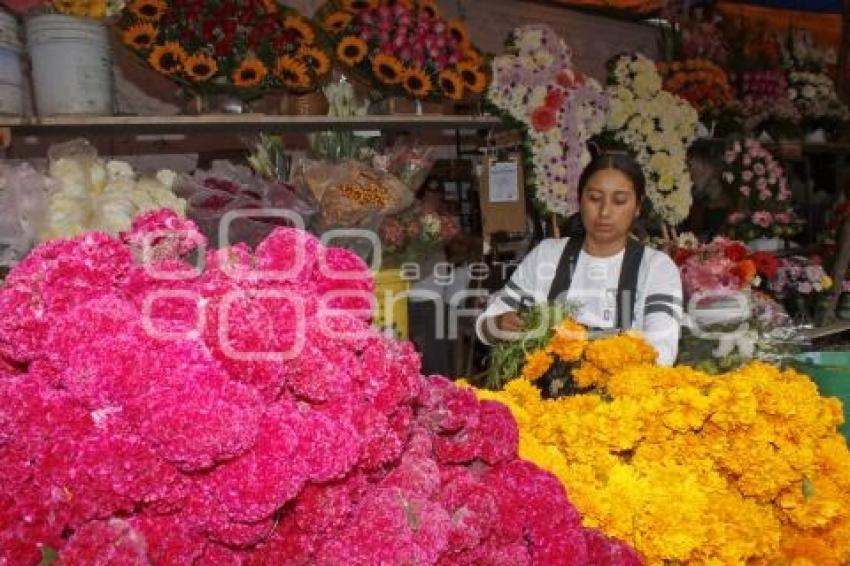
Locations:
(244, 412)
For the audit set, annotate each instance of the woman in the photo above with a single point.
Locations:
(617, 282)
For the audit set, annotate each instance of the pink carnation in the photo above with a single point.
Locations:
(762, 218)
(162, 234)
(162, 426)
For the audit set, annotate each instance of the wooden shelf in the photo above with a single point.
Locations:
(230, 123)
(833, 148)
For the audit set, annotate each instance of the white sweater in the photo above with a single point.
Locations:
(658, 306)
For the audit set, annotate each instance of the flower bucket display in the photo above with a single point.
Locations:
(210, 47)
(763, 209)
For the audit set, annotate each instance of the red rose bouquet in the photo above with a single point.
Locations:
(406, 47)
(210, 46)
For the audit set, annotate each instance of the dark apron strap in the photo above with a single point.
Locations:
(567, 264)
(627, 287)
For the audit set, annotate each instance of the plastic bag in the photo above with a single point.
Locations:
(23, 203)
(350, 194)
(409, 161)
(226, 187)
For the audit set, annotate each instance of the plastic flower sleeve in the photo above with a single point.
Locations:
(23, 202)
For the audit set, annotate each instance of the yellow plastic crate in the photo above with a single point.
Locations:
(391, 297)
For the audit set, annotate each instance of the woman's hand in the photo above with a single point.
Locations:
(510, 322)
(494, 329)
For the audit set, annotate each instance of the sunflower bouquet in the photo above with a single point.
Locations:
(95, 9)
(208, 46)
(404, 47)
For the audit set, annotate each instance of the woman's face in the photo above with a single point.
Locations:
(609, 206)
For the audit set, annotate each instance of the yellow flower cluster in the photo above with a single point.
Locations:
(96, 9)
(745, 467)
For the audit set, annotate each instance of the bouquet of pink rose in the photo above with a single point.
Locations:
(246, 413)
(414, 235)
(764, 199)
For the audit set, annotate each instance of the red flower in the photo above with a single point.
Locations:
(554, 100)
(766, 264)
(681, 255)
(735, 251)
(746, 271)
(543, 119)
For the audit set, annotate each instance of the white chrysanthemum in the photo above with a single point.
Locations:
(119, 170)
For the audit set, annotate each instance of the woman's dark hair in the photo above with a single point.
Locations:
(619, 160)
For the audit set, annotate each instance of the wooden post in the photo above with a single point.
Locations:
(844, 53)
(842, 262)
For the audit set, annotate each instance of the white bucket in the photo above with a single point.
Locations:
(11, 75)
(71, 65)
(9, 29)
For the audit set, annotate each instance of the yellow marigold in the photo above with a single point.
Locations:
(808, 550)
(568, 341)
(696, 469)
(617, 352)
(536, 364)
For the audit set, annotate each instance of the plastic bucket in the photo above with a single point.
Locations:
(831, 372)
(9, 29)
(391, 292)
(71, 65)
(11, 75)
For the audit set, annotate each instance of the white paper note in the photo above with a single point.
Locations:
(504, 181)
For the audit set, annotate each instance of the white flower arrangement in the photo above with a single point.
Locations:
(535, 83)
(658, 127)
(93, 195)
(815, 97)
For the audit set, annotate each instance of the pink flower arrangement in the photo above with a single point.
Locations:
(799, 275)
(763, 208)
(722, 266)
(414, 235)
(537, 84)
(146, 417)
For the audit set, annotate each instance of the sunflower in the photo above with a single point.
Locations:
(360, 4)
(148, 10)
(335, 22)
(351, 50)
(292, 72)
(140, 35)
(473, 78)
(316, 59)
(301, 27)
(249, 73)
(417, 82)
(387, 68)
(451, 84)
(458, 32)
(199, 67)
(472, 56)
(168, 58)
(429, 7)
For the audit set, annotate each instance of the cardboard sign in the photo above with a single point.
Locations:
(502, 196)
